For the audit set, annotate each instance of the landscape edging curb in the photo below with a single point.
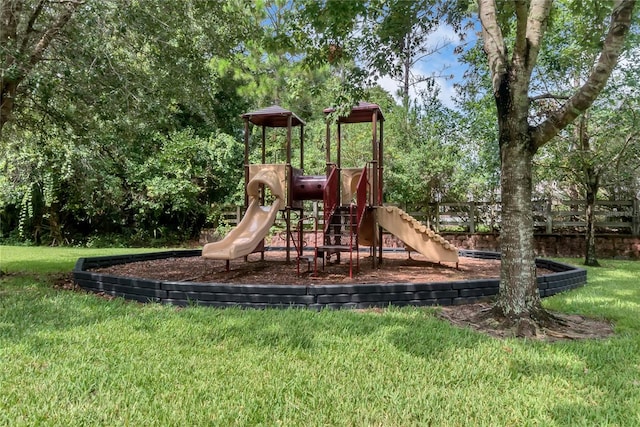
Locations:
(339, 296)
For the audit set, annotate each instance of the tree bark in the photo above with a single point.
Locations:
(518, 298)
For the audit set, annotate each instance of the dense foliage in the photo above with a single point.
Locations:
(126, 127)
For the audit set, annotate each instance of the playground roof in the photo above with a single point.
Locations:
(274, 116)
(361, 113)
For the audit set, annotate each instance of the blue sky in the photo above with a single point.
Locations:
(442, 62)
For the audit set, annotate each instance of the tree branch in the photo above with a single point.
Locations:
(584, 97)
(8, 33)
(32, 20)
(531, 22)
(618, 157)
(493, 42)
(547, 96)
(520, 47)
(49, 35)
(536, 27)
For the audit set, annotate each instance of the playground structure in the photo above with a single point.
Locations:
(354, 214)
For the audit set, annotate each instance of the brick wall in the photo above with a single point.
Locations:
(556, 245)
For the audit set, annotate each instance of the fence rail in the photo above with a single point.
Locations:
(550, 216)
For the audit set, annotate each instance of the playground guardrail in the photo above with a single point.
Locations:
(331, 196)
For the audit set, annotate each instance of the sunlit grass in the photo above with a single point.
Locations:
(70, 358)
(41, 259)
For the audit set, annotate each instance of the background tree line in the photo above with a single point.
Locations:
(120, 119)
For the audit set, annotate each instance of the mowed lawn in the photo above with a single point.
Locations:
(70, 358)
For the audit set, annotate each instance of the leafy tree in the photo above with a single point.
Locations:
(28, 28)
(178, 185)
(426, 153)
(522, 26)
(364, 40)
(477, 105)
(398, 36)
(91, 117)
(604, 135)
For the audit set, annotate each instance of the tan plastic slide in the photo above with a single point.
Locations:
(255, 224)
(415, 234)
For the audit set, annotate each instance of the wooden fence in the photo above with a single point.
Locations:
(550, 216)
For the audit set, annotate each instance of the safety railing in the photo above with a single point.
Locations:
(331, 196)
(361, 194)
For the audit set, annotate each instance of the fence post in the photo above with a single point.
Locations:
(635, 218)
(238, 214)
(472, 218)
(548, 216)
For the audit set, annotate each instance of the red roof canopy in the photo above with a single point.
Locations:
(361, 113)
(273, 116)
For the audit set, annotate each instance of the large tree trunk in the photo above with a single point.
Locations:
(516, 237)
(518, 299)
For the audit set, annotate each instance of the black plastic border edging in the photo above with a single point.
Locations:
(563, 278)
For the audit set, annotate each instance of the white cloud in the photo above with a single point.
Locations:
(390, 85)
(446, 95)
(442, 64)
(447, 92)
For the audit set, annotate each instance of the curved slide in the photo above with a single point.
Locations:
(416, 235)
(255, 223)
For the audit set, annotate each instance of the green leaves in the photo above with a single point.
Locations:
(130, 77)
(187, 174)
(427, 160)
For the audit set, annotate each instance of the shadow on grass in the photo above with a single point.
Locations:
(30, 306)
(601, 376)
(608, 368)
(414, 331)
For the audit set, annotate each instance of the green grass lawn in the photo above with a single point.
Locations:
(69, 358)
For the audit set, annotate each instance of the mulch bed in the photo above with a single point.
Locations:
(273, 269)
